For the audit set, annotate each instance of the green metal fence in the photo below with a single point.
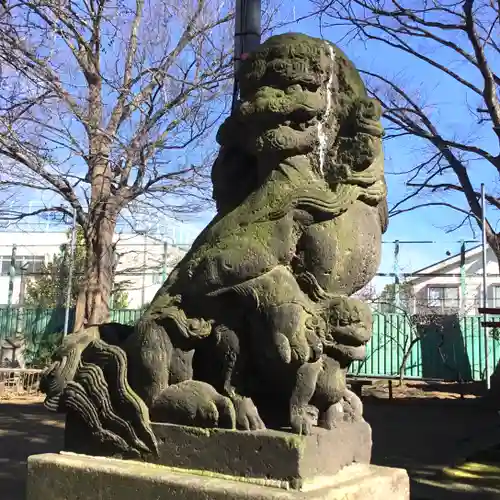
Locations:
(454, 351)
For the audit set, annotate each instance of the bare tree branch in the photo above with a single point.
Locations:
(111, 106)
(436, 34)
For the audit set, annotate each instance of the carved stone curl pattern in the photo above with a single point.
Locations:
(256, 326)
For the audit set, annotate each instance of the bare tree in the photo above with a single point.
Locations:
(105, 106)
(459, 42)
(406, 325)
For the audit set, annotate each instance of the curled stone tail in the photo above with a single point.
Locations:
(122, 400)
(91, 378)
(77, 401)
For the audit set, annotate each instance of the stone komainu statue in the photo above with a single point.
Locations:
(255, 327)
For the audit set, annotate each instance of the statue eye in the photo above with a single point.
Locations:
(292, 89)
(373, 108)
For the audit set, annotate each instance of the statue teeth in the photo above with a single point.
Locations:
(322, 136)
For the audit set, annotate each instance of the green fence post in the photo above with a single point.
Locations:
(12, 275)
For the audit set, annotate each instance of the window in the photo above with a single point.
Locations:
(157, 279)
(5, 261)
(496, 295)
(443, 298)
(32, 264)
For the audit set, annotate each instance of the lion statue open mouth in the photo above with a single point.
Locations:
(256, 326)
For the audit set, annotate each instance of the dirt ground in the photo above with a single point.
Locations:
(424, 390)
(423, 428)
(26, 428)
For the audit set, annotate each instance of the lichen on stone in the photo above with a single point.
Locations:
(256, 325)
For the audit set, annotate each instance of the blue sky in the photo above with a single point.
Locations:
(450, 112)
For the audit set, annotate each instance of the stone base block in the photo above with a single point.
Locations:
(268, 454)
(69, 476)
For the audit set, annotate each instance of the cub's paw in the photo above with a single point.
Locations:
(247, 415)
(349, 409)
(303, 419)
(353, 407)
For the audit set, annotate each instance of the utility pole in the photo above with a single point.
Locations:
(397, 295)
(247, 31)
(69, 288)
(165, 258)
(144, 268)
(485, 286)
(22, 292)
(12, 275)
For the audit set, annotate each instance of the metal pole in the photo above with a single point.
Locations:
(12, 275)
(20, 310)
(70, 274)
(397, 298)
(247, 31)
(144, 265)
(485, 283)
(165, 254)
(463, 282)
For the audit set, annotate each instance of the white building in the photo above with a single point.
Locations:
(143, 262)
(455, 284)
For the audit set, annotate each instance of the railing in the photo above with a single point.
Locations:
(33, 321)
(453, 350)
(15, 382)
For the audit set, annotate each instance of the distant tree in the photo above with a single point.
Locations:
(109, 106)
(387, 298)
(49, 288)
(451, 45)
(368, 293)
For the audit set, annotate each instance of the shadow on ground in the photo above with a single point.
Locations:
(425, 436)
(25, 429)
(465, 481)
(422, 435)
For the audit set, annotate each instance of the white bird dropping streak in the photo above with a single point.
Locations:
(322, 138)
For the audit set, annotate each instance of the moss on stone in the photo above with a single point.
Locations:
(293, 441)
(301, 203)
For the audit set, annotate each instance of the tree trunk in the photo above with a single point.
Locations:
(405, 359)
(99, 231)
(92, 305)
(80, 309)
(100, 264)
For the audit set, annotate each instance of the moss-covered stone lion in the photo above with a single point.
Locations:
(256, 326)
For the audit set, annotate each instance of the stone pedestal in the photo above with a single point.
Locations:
(212, 464)
(79, 477)
(281, 456)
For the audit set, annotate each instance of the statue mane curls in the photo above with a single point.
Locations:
(302, 99)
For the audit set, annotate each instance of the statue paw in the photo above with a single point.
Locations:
(247, 415)
(348, 410)
(303, 419)
(332, 417)
(353, 407)
(194, 403)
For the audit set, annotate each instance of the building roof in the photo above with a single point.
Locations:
(452, 259)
